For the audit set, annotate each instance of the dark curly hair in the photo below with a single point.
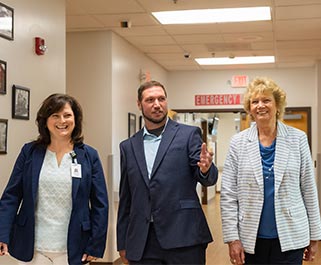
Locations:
(53, 104)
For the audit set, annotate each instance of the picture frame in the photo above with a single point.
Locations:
(3, 77)
(141, 122)
(6, 21)
(3, 136)
(131, 124)
(20, 102)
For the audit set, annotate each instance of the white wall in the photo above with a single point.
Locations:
(127, 62)
(103, 74)
(43, 75)
(88, 62)
(88, 57)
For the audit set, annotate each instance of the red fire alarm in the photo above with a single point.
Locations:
(40, 46)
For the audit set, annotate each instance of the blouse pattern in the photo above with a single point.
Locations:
(54, 204)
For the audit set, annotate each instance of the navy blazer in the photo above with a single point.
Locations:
(89, 217)
(169, 195)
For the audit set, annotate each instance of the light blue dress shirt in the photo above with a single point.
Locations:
(151, 144)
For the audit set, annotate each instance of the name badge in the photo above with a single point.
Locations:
(76, 170)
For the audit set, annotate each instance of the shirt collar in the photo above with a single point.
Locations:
(146, 132)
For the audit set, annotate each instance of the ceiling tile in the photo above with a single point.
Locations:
(82, 22)
(298, 12)
(294, 35)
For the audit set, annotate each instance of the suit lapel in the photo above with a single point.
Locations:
(255, 156)
(38, 156)
(80, 151)
(167, 138)
(137, 142)
(282, 151)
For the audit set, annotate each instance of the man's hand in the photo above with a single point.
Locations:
(206, 159)
(122, 254)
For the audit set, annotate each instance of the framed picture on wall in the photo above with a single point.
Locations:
(6, 21)
(20, 102)
(3, 136)
(131, 124)
(141, 122)
(3, 77)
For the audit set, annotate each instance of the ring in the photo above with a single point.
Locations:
(233, 260)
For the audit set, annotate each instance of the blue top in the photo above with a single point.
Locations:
(267, 228)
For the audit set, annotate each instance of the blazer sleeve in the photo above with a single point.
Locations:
(194, 147)
(99, 208)
(12, 195)
(229, 198)
(124, 203)
(309, 190)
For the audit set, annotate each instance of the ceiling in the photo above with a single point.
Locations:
(293, 36)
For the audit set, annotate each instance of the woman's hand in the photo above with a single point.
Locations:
(310, 251)
(3, 249)
(236, 252)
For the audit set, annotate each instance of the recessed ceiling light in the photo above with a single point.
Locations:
(214, 15)
(236, 60)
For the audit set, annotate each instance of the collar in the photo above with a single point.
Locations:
(146, 132)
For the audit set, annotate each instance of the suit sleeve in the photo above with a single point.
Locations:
(99, 209)
(195, 143)
(11, 197)
(124, 202)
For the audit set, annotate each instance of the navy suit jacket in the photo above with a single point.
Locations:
(169, 196)
(89, 217)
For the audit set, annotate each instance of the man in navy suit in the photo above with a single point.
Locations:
(160, 218)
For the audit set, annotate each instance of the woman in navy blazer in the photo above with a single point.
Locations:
(55, 204)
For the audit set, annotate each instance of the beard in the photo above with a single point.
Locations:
(153, 120)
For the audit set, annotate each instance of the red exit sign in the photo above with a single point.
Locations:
(218, 99)
(239, 81)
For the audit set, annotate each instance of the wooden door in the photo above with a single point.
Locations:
(298, 117)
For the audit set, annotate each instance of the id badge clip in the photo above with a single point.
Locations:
(75, 167)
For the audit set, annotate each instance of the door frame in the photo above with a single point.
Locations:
(241, 110)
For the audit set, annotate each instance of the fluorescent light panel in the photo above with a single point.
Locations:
(236, 60)
(214, 15)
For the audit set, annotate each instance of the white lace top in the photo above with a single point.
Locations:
(54, 204)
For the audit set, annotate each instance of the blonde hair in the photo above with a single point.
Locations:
(263, 85)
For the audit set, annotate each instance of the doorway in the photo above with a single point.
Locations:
(219, 125)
